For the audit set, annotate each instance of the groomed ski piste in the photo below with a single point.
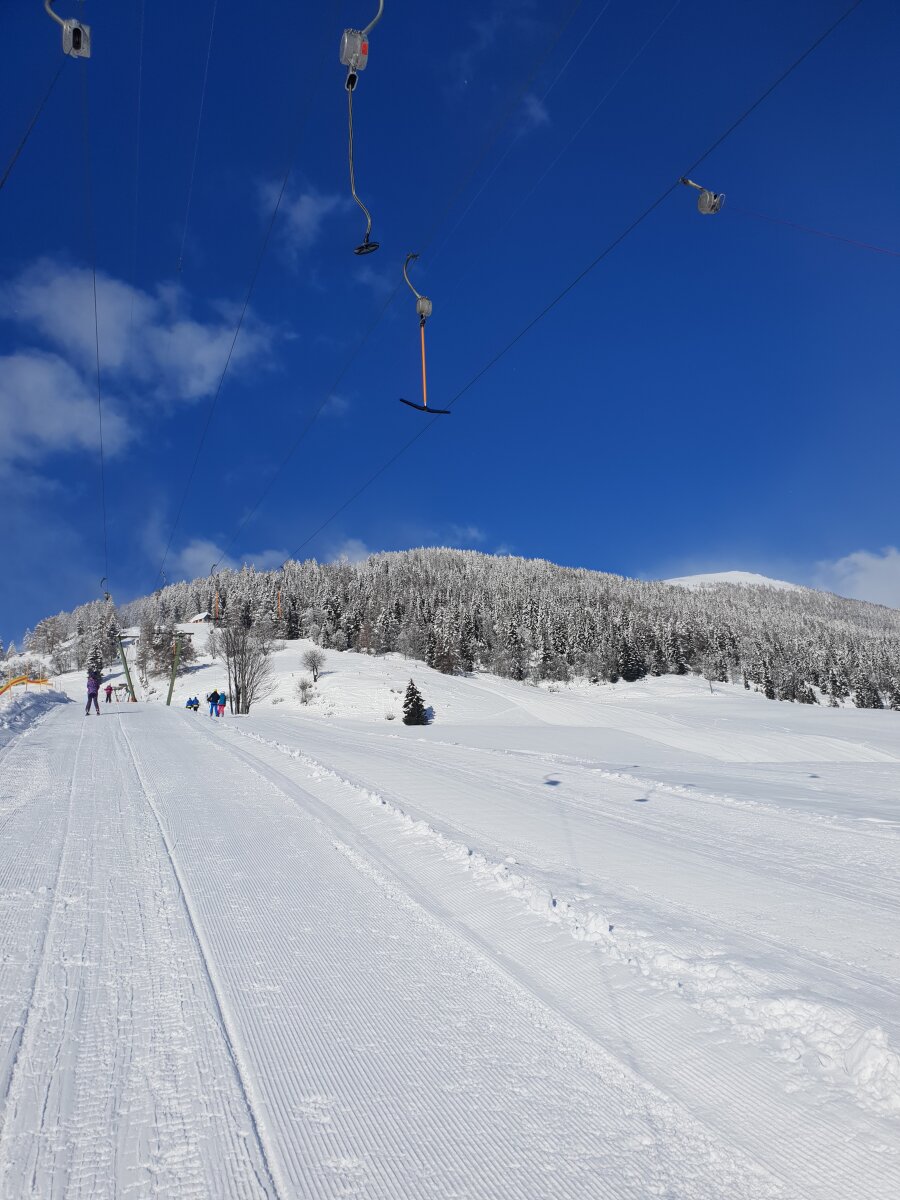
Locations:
(615, 941)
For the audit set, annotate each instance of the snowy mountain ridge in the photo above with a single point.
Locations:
(526, 619)
(709, 579)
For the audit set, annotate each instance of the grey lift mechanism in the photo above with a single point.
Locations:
(707, 202)
(76, 38)
(354, 56)
(424, 310)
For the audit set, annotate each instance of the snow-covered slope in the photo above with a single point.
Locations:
(615, 941)
(744, 578)
(21, 707)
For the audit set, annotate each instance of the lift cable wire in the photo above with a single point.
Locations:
(137, 167)
(299, 130)
(31, 124)
(822, 233)
(92, 247)
(590, 116)
(499, 125)
(515, 141)
(187, 211)
(651, 208)
(483, 151)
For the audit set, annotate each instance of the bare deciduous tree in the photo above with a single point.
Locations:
(245, 653)
(314, 661)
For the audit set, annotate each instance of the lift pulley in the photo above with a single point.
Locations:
(424, 309)
(76, 38)
(354, 56)
(707, 202)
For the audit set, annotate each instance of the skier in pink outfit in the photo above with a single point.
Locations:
(222, 699)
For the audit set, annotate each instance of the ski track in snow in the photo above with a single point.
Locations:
(273, 958)
(824, 1037)
(816, 1150)
(116, 1077)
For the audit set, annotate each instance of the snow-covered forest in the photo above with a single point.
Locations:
(528, 619)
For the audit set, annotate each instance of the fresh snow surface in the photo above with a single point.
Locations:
(619, 942)
(744, 578)
(22, 706)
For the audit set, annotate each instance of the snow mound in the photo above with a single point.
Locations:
(738, 578)
(19, 711)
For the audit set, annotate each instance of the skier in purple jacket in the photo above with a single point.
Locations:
(93, 688)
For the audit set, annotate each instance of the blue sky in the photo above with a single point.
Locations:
(721, 392)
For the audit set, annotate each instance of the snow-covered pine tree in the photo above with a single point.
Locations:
(414, 706)
(865, 694)
(94, 660)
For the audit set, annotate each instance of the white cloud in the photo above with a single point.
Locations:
(467, 533)
(302, 215)
(381, 283)
(863, 575)
(46, 407)
(265, 560)
(351, 550)
(536, 115)
(497, 21)
(197, 557)
(335, 406)
(146, 339)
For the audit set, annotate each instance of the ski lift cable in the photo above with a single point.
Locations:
(651, 208)
(92, 247)
(30, 127)
(137, 167)
(300, 128)
(190, 194)
(354, 354)
(500, 124)
(590, 116)
(515, 141)
(822, 233)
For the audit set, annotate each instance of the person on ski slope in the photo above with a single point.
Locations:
(213, 699)
(195, 704)
(222, 700)
(108, 691)
(93, 687)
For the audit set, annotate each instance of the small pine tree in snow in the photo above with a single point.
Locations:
(414, 706)
(768, 685)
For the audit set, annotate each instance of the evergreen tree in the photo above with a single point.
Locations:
(767, 681)
(414, 706)
(94, 660)
(865, 694)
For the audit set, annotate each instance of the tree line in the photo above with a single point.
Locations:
(527, 619)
